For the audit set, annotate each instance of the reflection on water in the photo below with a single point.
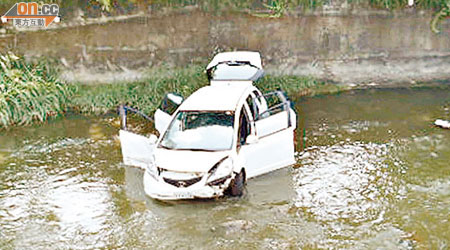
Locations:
(372, 173)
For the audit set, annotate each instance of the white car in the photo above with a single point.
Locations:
(216, 139)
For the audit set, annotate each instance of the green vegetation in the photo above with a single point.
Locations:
(146, 95)
(32, 92)
(439, 16)
(398, 4)
(106, 4)
(29, 91)
(296, 86)
(276, 9)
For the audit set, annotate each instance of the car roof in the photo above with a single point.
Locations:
(217, 96)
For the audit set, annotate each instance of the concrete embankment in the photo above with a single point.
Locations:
(348, 49)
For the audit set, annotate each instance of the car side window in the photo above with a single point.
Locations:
(260, 103)
(244, 127)
(253, 106)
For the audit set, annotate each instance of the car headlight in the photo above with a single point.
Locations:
(220, 171)
(152, 170)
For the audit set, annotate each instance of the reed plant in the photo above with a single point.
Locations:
(147, 94)
(144, 95)
(32, 92)
(29, 91)
(297, 86)
(439, 16)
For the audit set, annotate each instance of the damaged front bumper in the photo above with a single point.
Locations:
(159, 189)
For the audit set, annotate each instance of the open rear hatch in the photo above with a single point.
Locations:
(239, 65)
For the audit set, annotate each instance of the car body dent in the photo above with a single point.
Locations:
(157, 188)
(187, 160)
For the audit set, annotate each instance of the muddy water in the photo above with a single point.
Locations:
(372, 173)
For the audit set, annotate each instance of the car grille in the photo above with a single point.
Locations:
(182, 183)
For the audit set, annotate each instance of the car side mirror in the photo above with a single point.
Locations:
(251, 139)
(153, 139)
(163, 115)
(170, 103)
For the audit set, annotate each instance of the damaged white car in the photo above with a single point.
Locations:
(216, 139)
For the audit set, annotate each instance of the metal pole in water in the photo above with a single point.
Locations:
(123, 117)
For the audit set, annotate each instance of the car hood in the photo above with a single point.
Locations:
(187, 160)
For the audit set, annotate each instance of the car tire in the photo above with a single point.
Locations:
(237, 185)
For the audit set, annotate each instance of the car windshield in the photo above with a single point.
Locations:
(197, 130)
(235, 71)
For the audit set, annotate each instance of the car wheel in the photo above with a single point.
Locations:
(237, 185)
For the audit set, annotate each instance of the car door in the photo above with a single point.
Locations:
(249, 152)
(274, 126)
(137, 150)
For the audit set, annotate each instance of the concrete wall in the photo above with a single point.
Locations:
(346, 48)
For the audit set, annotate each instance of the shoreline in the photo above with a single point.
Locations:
(75, 110)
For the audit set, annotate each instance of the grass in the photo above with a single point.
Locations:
(297, 86)
(146, 95)
(276, 8)
(29, 91)
(439, 16)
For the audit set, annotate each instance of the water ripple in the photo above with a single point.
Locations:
(347, 184)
